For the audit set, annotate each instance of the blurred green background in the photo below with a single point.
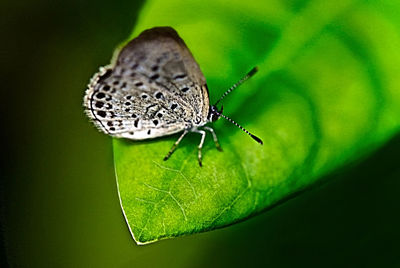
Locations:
(59, 200)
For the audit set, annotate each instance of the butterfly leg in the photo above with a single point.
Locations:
(214, 137)
(175, 145)
(203, 136)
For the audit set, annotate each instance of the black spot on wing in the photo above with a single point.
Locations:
(154, 76)
(179, 76)
(99, 104)
(101, 113)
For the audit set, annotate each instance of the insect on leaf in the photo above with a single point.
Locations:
(326, 94)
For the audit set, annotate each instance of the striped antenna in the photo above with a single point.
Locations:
(257, 139)
(241, 81)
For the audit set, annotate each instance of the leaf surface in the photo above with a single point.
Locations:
(327, 93)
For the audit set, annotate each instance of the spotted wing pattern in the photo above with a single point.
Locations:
(154, 88)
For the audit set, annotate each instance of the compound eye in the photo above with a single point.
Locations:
(214, 117)
(213, 114)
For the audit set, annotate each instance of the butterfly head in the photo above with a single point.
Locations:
(214, 114)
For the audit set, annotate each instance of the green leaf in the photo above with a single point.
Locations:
(326, 94)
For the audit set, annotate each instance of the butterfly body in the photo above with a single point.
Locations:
(154, 88)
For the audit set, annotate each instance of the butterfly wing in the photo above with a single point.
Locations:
(154, 88)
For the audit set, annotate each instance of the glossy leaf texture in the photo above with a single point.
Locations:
(327, 93)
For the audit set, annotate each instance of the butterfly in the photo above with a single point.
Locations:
(155, 88)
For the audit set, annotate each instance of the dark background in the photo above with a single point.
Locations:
(59, 199)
